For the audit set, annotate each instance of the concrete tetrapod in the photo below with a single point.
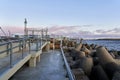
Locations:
(87, 51)
(79, 74)
(85, 63)
(111, 69)
(104, 56)
(98, 73)
(78, 48)
(116, 76)
(81, 54)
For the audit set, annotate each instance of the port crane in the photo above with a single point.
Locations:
(3, 31)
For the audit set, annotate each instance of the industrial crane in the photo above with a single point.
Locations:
(3, 31)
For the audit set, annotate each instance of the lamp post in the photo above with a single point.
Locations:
(25, 27)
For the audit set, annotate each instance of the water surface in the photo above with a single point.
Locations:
(110, 44)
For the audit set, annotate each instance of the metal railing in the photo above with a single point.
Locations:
(69, 72)
(10, 46)
(21, 46)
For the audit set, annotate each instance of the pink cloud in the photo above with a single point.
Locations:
(12, 30)
(76, 31)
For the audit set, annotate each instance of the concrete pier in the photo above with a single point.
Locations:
(10, 65)
(51, 67)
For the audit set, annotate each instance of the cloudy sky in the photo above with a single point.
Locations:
(78, 18)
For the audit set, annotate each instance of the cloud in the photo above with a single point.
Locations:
(115, 31)
(77, 31)
(72, 31)
(12, 30)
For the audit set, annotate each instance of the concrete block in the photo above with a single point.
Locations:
(78, 48)
(86, 64)
(32, 62)
(87, 51)
(111, 68)
(47, 47)
(116, 76)
(104, 56)
(38, 58)
(81, 54)
(98, 73)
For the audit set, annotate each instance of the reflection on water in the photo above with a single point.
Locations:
(110, 44)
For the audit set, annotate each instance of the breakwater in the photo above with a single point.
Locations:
(92, 62)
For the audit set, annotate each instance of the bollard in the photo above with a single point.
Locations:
(104, 56)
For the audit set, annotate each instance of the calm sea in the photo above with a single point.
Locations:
(110, 44)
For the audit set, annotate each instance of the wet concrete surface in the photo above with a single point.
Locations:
(16, 57)
(49, 68)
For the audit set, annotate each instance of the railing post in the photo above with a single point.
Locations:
(19, 45)
(37, 45)
(25, 42)
(10, 54)
(41, 43)
(46, 34)
(7, 48)
(29, 46)
(22, 46)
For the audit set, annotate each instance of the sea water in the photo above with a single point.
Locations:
(110, 44)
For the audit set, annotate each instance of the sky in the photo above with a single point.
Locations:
(84, 18)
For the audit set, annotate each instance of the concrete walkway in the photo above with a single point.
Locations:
(16, 57)
(49, 68)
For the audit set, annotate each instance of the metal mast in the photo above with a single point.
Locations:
(25, 27)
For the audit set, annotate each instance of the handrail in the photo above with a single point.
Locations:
(10, 42)
(70, 74)
(21, 45)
